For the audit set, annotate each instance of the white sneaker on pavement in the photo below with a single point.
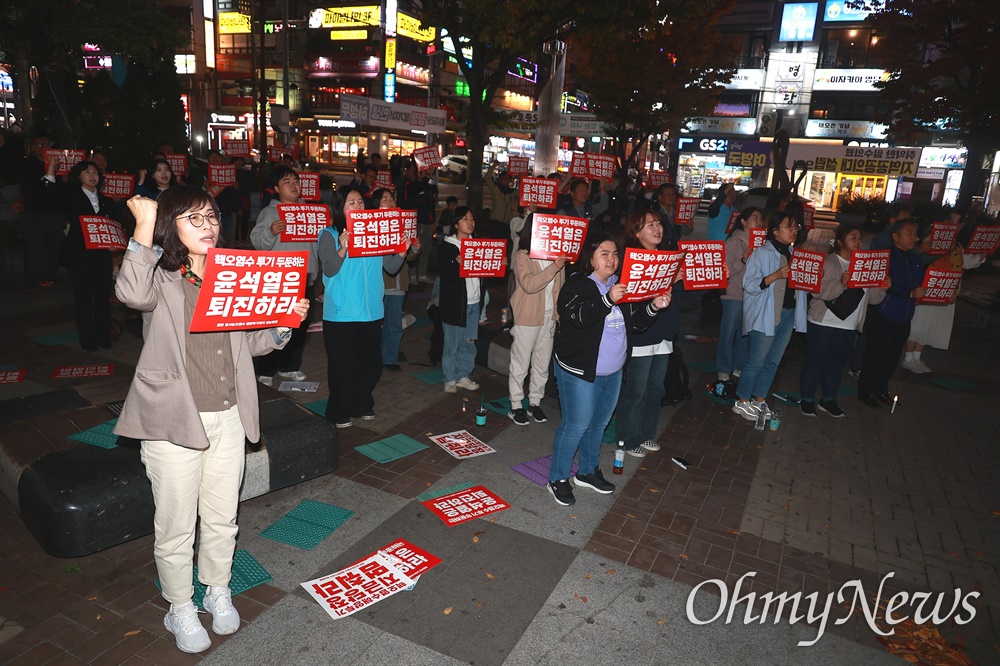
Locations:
(912, 367)
(182, 621)
(225, 617)
(295, 375)
(467, 384)
(924, 369)
(449, 387)
(265, 380)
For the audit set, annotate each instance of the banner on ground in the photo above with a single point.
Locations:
(118, 185)
(648, 273)
(357, 586)
(81, 371)
(303, 222)
(463, 505)
(805, 272)
(687, 208)
(557, 236)
(462, 444)
(869, 269)
(376, 232)
(984, 240)
(309, 186)
(518, 166)
(704, 264)
(12, 376)
(940, 286)
(483, 258)
(541, 192)
(67, 159)
(102, 233)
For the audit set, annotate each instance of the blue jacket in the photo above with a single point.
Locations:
(762, 307)
(717, 224)
(906, 270)
(355, 292)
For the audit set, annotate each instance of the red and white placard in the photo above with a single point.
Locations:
(411, 560)
(657, 178)
(735, 215)
(687, 208)
(81, 371)
(309, 186)
(483, 257)
(541, 192)
(223, 175)
(12, 376)
(555, 236)
(868, 269)
(245, 289)
(578, 166)
(102, 233)
(600, 167)
(236, 147)
(984, 240)
(303, 222)
(942, 237)
(463, 505)
(648, 273)
(805, 272)
(376, 232)
(276, 154)
(409, 218)
(704, 265)
(67, 159)
(384, 180)
(357, 586)
(118, 185)
(427, 157)
(178, 164)
(518, 166)
(758, 237)
(462, 444)
(808, 215)
(940, 286)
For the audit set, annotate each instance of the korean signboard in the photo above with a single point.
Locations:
(557, 236)
(483, 257)
(648, 273)
(541, 192)
(303, 222)
(102, 233)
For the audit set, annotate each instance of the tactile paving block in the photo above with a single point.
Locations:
(390, 448)
(537, 470)
(247, 573)
(954, 383)
(435, 376)
(317, 406)
(704, 366)
(434, 494)
(100, 435)
(308, 524)
(67, 338)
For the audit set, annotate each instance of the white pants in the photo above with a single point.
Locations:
(188, 483)
(532, 347)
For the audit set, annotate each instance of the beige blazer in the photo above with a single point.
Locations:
(160, 405)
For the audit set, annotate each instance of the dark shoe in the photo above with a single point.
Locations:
(870, 400)
(537, 414)
(830, 407)
(519, 416)
(369, 415)
(808, 408)
(885, 398)
(562, 492)
(595, 481)
(392, 367)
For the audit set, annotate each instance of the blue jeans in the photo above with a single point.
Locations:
(731, 354)
(459, 356)
(586, 409)
(639, 407)
(764, 356)
(392, 327)
(827, 350)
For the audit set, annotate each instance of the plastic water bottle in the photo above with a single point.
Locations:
(619, 467)
(761, 420)
(504, 315)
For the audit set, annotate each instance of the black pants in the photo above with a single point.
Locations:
(288, 358)
(43, 237)
(827, 350)
(91, 271)
(882, 349)
(353, 366)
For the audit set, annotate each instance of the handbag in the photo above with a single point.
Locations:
(844, 305)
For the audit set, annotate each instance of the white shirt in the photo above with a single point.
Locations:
(472, 295)
(93, 198)
(832, 320)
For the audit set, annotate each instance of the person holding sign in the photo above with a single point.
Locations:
(459, 307)
(152, 182)
(577, 200)
(352, 315)
(591, 346)
(836, 316)
(720, 210)
(192, 403)
(396, 285)
(266, 235)
(731, 353)
(770, 312)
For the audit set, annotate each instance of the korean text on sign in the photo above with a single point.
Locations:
(464, 505)
(600, 167)
(732, 221)
(687, 208)
(517, 166)
(869, 269)
(555, 236)
(541, 192)
(704, 265)
(237, 147)
(102, 233)
(943, 235)
(411, 560)
(462, 444)
(12, 376)
(376, 232)
(178, 164)
(757, 239)
(67, 159)
(984, 240)
(657, 178)
(309, 186)
(805, 272)
(427, 157)
(275, 154)
(303, 222)
(648, 273)
(483, 257)
(81, 371)
(808, 216)
(578, 166)
(244, 289)
(222, 174)
(357, 586)
(940, 286)
(118, 185)
(383, 179)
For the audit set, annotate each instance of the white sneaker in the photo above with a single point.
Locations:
(182, 621)
(746, 409)
(722, 377)
(265, 380)
(650, 445)
(295, 376)
(225, 617)
(912, 366)
(924, 369)
(467, 384)
(408, 320)
(449, 387)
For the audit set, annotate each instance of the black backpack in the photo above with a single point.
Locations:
(675, 384)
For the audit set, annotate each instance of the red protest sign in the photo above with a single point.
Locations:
(178, 164)
(940, 286)
(409, 218)
(102, 233)
(942, 237)
(805, 272)
(67, 159)
(869, 269)
(483, 257)
(375, 232)
(704, 265)
(384, 180)
(657, 178)
(214, 189)
(541, 192)
(518, 166)
(309, 186)
(427, 157)
(236, 147)
(118, 185)
(732, 221)
(222, 175)
(600, 167)
(81, 371)
(357, 586)
(303, 222)
(411, 560)
(555, 236)
(757, 238)
(458, 507)
(808, 215)
(648, 273)
(687, 208)
(462, 444)
(578, 166)
(984, 240)
(244, 289)
(12, 376)
(275, 154)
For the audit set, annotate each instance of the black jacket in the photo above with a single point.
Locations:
(454, 298)
(75, 203)
(582, 309)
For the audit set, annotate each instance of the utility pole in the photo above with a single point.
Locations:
(262, 100)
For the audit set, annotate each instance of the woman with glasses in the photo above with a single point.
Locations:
(157, 179)
(192, 403)
(770, 312)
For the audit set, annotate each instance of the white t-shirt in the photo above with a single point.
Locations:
(832, 320)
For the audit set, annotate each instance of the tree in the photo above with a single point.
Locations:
(939, 53)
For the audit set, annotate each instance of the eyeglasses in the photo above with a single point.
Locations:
(198, 220)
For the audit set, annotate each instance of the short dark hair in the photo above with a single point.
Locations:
(80, 167)
(744, 216)
(898, 225)
(372, 168)
(460, 212)
(577, 182)
(893, 210)
(378, 193)
(339, 199)
(840, 234)
(590, 245)
(278, 172)
(450, 199)
(157, 161)
(774, 220)
(635, 223)
(170, 205)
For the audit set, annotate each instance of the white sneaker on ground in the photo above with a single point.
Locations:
(912, 366)
(746, 409)
(650, 445)
(449, 387)
(923, 366)
(182, 621)
(467, 384)
(265, 380)
(295, 376)
(225, 617)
